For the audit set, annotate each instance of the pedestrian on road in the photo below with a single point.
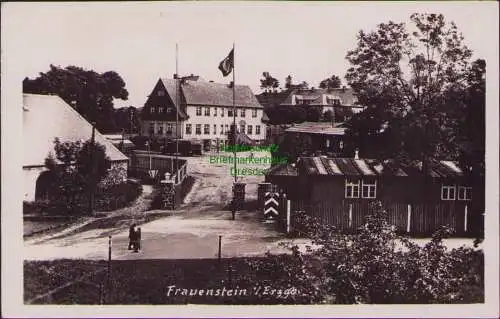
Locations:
(137, 243)
(132, 235)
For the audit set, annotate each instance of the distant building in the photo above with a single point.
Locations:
(324, 137)
(46, 117)
(205, 111)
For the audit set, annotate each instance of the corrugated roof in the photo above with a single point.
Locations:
(283, 170)
(214, 94)
(46, 117)
(323, 128)
(371, 167)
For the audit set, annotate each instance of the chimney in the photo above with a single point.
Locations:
(175, 75)
(356, 154)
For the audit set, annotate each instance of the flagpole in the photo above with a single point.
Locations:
(234, 114)
(177, 89)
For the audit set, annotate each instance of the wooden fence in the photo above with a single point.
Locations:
(415, 219)
(143, 162)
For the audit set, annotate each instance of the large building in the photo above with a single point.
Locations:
(204, 111)
(46, 117)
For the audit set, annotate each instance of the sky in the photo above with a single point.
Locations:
(138, 39)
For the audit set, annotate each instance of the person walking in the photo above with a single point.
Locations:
(132, 237)
(137, 244)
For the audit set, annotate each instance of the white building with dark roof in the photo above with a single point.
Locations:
(205, 111)
(46, 117)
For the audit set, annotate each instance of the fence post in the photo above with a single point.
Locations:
(220, 248)
(109, 267)
(350, 215)
(465, 218)
(409, 219)
(287, 216)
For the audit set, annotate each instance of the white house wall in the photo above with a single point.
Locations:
(30, 177)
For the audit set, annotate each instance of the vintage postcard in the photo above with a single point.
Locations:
(188, 159)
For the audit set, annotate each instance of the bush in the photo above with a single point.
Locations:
(370, 267)
(117, 196)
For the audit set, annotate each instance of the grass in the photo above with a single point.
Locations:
(136, 281)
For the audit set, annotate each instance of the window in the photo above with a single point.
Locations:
(198, 110)
(170, 128)
(448, 192)
(222, 112)
(161, 93)
(198, 129)
(151, 128)
(160, 109)
(257, 129)
(369, 189)
(188, 128)
(227, 128)
(153, 109)
(160, 129)
(207, 111)
(229, 112)
(169, 109)
(341, 144)
(254, 113)
(222, 129)
(242, 113)
(351, 189)
(206, 129)
(464, 193)
(215, 111)
(242, 128)
(215, 129)
(249, 129)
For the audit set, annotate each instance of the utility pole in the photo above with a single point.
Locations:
(177, 91)
(92, 171)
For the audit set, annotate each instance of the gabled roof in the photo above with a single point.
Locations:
(213, 94)
(46, 117)
(282, 170)
(323, 128)
(170, 86)
(370, 167)
(315, 96)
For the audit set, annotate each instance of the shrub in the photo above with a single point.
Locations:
(117, 196)
(371, 267)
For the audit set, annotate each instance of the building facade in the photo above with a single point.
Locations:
(65, 124)
(204, 111)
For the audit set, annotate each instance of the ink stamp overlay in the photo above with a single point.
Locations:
(171, 159)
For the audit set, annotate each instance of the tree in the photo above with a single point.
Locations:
(127, 120)
(78, 166)
(408, 81)
(293, 146)
(328, 116)
(288, 82)
(285, 114)
(268, 83)
(90, 93)
(333, 82)
(313, 114)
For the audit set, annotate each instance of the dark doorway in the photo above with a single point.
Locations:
(45, 186)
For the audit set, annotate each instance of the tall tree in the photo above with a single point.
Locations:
(90, 93)
(268, 83)
(333, 82)
(408, 78)
(127, 119)
(288, 82)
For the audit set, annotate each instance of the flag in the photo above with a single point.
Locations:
(227, 65)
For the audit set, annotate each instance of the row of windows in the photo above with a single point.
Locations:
(368, 189)
(159, 129)
(160, 109)
(215, 112)
(222, 131)
(449, 192)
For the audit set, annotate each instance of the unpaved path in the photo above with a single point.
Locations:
(191, 232)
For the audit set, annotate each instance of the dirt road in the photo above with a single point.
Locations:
(191, 232)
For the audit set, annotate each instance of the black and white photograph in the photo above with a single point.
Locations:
(328, 155)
